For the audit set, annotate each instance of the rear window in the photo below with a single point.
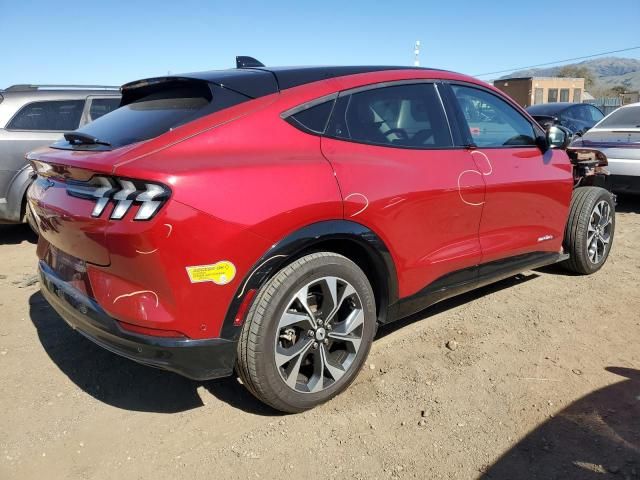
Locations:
(58, 115)
(150, 115)
(628, 117)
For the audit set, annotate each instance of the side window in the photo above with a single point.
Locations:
(313, 119)
(102, 106)
(408, 116)
(63, 115)
(492, 122)
(571, 114)
(596, 115)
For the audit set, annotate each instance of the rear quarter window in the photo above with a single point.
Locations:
(313, 119)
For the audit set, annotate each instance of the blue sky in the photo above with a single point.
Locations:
(115, 42)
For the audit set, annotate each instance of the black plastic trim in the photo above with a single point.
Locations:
(195, 359)
(289, 248)
(289, 77)
(467, 279)
(616, 183)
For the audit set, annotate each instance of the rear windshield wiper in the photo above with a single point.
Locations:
(79, 138)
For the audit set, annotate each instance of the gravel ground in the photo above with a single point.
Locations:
(537, 376)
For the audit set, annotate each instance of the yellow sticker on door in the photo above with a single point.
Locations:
(219, 273)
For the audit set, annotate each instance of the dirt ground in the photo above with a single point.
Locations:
(544, 383)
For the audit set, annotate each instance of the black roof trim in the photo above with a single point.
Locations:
(289, 77)
(260, 81)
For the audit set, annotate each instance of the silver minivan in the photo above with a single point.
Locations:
(35, 115)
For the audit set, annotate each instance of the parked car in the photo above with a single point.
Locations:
(269, 219)
(577, 117)
(618, 137)
(36, 115)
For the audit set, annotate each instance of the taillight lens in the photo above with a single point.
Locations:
(124, 193)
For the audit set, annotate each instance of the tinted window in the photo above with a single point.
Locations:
(102, 106)
(156, 113)
(552, 96)
(577, 113)
(596, 115)
(313, 119)
(403, 116)
(627, 117)
(492, 122)
(62, 115)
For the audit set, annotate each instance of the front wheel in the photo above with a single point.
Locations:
(307, 333)
(590, 228)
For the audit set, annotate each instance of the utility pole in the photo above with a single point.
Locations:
(416, 53)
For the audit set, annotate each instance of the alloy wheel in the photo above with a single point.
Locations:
(319, 334)
(599, 232)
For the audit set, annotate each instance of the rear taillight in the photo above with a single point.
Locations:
(148, 197)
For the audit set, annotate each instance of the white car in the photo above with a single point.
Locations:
(618, 136)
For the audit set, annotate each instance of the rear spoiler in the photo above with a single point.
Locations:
(252, 83)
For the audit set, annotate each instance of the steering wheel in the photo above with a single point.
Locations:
(401, 132)
(421, 136)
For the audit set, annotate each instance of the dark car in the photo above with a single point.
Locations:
(577, 117)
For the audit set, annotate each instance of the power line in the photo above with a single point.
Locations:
(557, 61)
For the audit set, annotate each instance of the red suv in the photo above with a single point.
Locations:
(267, 220)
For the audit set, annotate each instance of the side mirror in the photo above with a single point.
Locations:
(558, 137)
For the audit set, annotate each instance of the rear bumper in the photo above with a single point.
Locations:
(195, 359)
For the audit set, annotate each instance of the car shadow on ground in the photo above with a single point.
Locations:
(596, 437)
(122, 383)
(125, 384)
(628, 204)
(456, 301)
(15, 234)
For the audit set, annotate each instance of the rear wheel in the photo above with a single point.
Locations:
(590, 228)
(307, 333)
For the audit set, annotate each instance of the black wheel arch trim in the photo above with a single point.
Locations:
(304, 240)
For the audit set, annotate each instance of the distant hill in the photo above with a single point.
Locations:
(607, 72)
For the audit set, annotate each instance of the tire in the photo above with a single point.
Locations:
(590, 228)
(334, 341)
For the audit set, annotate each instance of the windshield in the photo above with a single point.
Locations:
(627, 117)
(154, 114)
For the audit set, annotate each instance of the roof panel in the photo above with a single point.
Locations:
(258, 82)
